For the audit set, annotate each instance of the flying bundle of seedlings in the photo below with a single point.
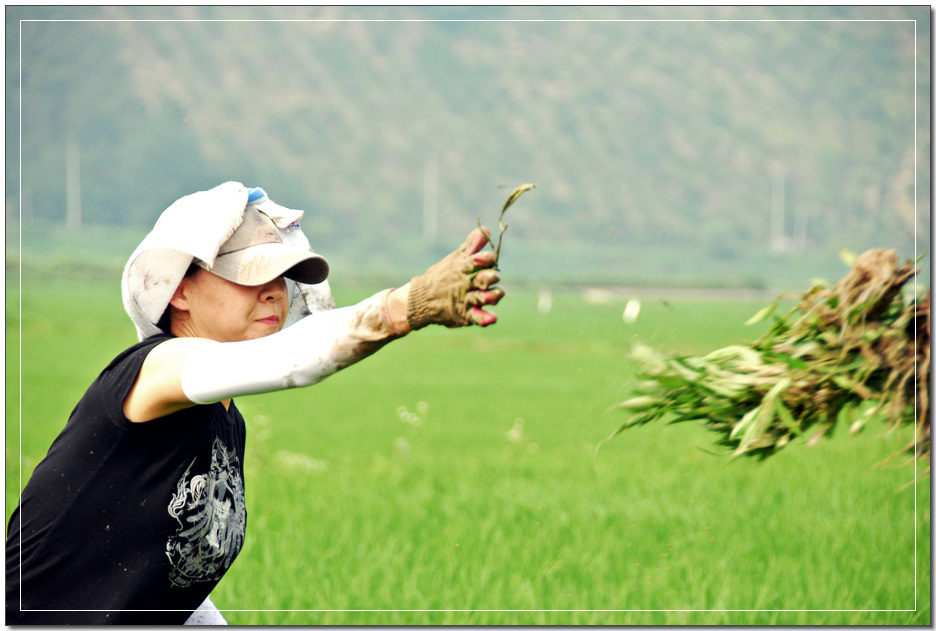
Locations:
(845, 354)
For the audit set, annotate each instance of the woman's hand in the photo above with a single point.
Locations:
(454, 291)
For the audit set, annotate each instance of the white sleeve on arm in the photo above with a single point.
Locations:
(302, 354)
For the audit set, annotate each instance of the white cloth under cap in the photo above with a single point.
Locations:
(196, 226)
(255, 254)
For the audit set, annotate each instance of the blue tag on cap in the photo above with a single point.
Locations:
(254, 194)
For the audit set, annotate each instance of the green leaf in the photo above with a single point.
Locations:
(846, 383)
(764, 414)
(637, 419)
(640, 403)
(789, 360)
(764, 313)
(650, 386)
(672, 383)
(738, 351)
(683, 371)
(744, 422)
(786, 417)
(727, 389)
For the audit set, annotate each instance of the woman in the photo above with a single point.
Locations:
(137, 510)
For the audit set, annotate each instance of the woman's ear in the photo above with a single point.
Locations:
(179, 299)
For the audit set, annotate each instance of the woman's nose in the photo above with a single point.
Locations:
(273, 290)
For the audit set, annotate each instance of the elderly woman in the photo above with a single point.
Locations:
(137, 510)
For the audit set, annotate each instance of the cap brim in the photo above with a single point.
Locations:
(259, 264)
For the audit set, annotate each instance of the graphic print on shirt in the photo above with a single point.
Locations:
(212, 520)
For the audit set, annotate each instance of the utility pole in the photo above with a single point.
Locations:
(800, 216)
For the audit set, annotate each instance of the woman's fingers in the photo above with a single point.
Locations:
(476, 240)
(483, 259)
(480, 297)
(485, 279)
(482, 317)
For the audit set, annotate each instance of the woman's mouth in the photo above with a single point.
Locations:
(269, 320)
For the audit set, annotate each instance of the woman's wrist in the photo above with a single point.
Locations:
(394, 311)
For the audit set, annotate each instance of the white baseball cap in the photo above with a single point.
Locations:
(255, 254)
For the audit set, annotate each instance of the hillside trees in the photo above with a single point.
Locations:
(676, 132)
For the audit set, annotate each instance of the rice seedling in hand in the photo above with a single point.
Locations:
(517, 192)
(843, 355)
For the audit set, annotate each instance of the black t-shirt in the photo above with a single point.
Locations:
(127, 523)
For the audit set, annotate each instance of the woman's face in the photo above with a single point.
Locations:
(217, 309)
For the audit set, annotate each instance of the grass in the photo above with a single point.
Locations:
(467, 515)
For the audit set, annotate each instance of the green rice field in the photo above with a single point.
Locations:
(456, 478)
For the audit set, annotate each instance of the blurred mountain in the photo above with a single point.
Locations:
(733, 143)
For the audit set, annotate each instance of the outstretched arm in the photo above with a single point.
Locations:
(184, 372)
